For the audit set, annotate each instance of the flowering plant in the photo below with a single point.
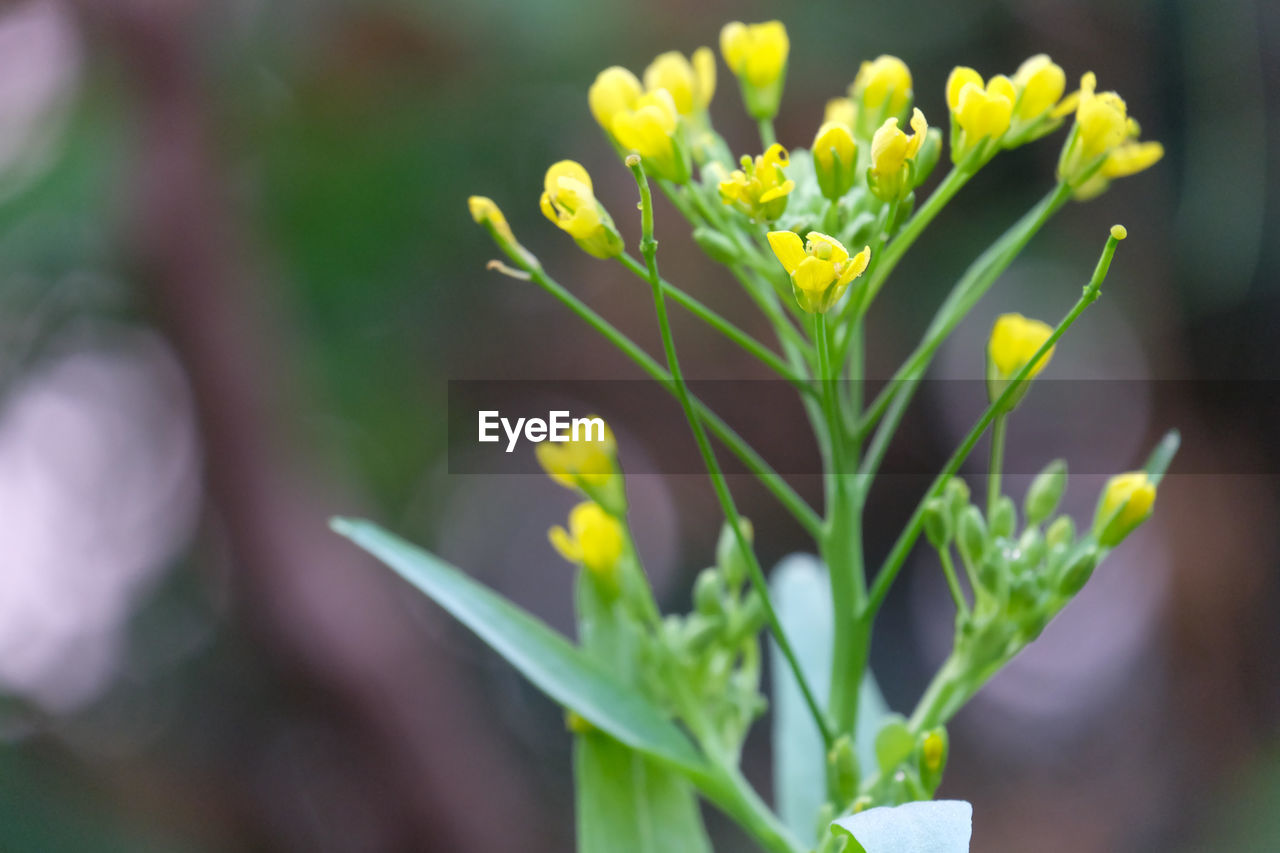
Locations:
(660, 705)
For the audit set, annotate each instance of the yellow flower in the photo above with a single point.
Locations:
(1014, 340)
(835, 156)
(595, 540)
(569, 202)
(892, 157)
(1125, 502)
(882, 88)
(978, 111)
(841, 111)
(651, 128)
(820, 267)
(614, 90)
(1040, 83)
(486, 213)
(691, 84)
(583, 463)
(760, 188)
(757, 55)
(1103, 144)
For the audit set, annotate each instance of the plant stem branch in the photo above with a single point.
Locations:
(649, 249)
(893, 563)
(996, 463)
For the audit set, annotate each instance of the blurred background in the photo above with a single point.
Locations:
(236, 270)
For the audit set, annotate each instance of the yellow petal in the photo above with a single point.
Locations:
(813, 275)
(570, 169)
(614, 89)
(789, 249)
(704, 71)
(959, 77)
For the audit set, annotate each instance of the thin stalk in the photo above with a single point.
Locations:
(649, 249)
(767, 134)
(771, 479)
(996, 463)
(897, 556)
(709, 316)
(953, 581)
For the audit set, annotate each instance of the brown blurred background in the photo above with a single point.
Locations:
(236, 269)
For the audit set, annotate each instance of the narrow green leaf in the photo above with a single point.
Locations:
(630, 804)
(801, 593)
(546, 658)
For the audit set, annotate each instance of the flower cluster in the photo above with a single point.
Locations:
(812, 236)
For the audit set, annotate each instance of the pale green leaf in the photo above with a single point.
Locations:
(942, 826)
(630, 804)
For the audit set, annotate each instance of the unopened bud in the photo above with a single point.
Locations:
(1004, 517)
(1045, 492)
(709, 592)
(842, 770)
(729, 557)
(937, 523)
(971, 535)
(1078, 572)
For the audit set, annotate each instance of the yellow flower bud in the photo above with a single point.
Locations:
(1040, 83)
(1126, 502)
(588, 461)
(569, 202)
(841, 111)
(651, 128)
(595, 540)
(1014, 340)
(820, 267)
(978, 112)
(882, 89)
(757, 55)
(691, 84)
(614, 90)
(486, 213)
(760, 188)
(835, 155)
(893, 154)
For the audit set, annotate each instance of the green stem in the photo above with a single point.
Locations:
(953, 582)
(649, 249)
(997, 462)
(726, 787)
(966, 293)
(754, 462)
(830, 404)
(762, 353)
(767, 135)
(897, 556)
(911, 230)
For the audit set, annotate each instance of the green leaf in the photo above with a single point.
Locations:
(546, 658)
(630, 804)
(801, 592)
(942, 826)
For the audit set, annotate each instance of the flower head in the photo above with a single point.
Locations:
(568, 201)
(1125, 502)
(893, 155)
(820, 267)
(882, 89)
(835, 155)
(691, 83)
(651, 128)
(1103, 144)
(760, 188)
(595, 540)
(979, 111)
(588, 462)
(757, 55)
